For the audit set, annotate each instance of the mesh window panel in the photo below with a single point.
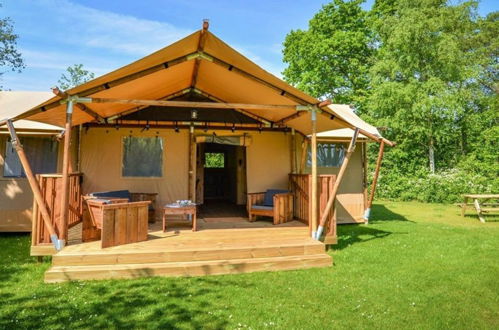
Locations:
(142, 157)
(41, 153)
(328, 155)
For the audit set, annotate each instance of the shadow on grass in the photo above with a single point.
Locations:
(149, 303)
(170, 303)
(352, 233)
(379, 213)
(14, 249)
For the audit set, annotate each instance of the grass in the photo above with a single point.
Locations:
(414, 266)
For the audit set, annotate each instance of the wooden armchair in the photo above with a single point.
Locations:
(277, 204)
(119, 221)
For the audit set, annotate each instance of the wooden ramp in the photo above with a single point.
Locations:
(210, 251)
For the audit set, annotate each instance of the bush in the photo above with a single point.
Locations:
(443, 187)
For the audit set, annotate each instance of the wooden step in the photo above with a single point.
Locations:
(193, 268)
(162, 255)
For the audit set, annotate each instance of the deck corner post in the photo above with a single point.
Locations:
(192, 165)
(367, 212)
(35, 187)
(293, 151)
(65, 170)
(313, 157)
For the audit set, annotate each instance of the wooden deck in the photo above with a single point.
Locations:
(221, 246)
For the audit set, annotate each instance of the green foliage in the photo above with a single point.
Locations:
(415, 265)
(331, 58)
(430, 74)
(10, 57)
(214, 160)
(443, 187)
(75, 75)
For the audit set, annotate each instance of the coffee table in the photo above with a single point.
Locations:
(182, 210)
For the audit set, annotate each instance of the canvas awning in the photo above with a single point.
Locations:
(14, 103)
(348, 114)
(200, 62)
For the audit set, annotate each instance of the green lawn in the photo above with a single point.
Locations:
(415, 266)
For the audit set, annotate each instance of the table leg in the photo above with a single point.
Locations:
(194, 221)
(479, 210)
(463, 209)
(164, 222)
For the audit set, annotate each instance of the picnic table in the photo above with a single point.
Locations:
(482, 204)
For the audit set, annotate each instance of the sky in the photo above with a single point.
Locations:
(105, 35)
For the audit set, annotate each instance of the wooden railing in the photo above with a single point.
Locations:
(51, 188)
(301, 186)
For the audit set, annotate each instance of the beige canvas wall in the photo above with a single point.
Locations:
(101, 159)
(267, 157)
(16, 199)
(16, 196)
(350, 199)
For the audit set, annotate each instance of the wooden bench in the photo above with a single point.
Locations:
(480, 203)
(120, 222)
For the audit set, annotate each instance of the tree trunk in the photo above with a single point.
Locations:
(464, 138)
(431, 154)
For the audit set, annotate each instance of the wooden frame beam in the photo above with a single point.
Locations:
(82, 107)
(186, 125)
(189, 104)
(381, 151)
(314, 193)
(35, 186)
(291, 117)
(65, 171)
(202, 40)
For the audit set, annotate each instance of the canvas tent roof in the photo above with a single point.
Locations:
(14, 103)
(203, 62)
(348, 114)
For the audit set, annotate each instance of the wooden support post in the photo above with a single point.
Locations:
(293, 151)
(35, 187)
(304, 152)
(65, 171)
(367, 213)
(364, 172)
(192, 165)
(314, 198)
(334, 191)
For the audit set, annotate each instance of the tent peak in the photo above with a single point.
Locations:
(206, 24)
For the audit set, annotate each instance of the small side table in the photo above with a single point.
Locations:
(183, 210)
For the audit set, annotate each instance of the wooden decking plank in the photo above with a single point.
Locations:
(60, 274)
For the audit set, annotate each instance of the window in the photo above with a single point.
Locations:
(214, 160)
(40, 151)
(328, 155)
(142, 157)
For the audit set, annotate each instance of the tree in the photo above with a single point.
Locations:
(331, 58)
(422, 82)
(75, 75)
(10, 57)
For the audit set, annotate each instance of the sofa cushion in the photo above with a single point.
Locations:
(268, 199)
(262, 207)
(112, 194)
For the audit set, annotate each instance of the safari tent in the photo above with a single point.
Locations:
(39, 140)
(194, 121)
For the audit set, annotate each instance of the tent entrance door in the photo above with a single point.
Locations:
(221, 180)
